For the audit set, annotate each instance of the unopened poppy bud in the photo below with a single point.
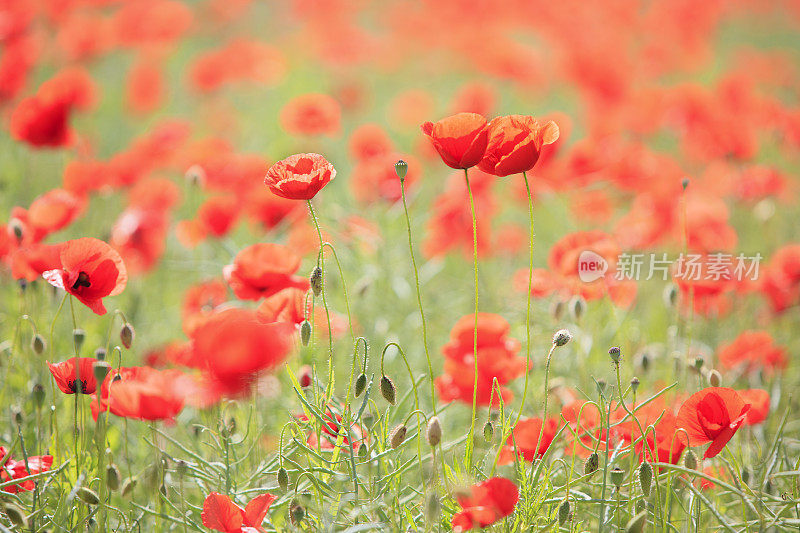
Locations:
(181, 467)
(562, 337)
(557, 309)
(601, 386)
(100, 354)
(434, 431)
(685, 183)
(745, 476)
(637, 523)
(645, 477)
(690, 460)
(699, 362)
(363, 451)
(38, 344)
(591, 464)
(714, 378)
(617, 475)
(126, 335)
(634, 384)
(305, 332)
(361, 384)
(38, 395)
(388, 390)
(195, 175)
(643, 361)
(670, 295)
(16, 228)
(640, 506)
(577, 306)
(296, 512)
(78, 336)
(17, 416)
(87, 495)
(488, 431)
(101, 370)
(401, 168)
(563, 512)
(283, 479)
(15, 515)
(368, 419)
(112, 477)
(397, 436)
(128, 486)
(614, 353)
(316, 280)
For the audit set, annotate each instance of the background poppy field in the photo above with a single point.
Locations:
(325, 265)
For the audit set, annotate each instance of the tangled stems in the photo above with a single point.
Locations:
(546, 394)
(321, 265)
(528, 311)
(471, 435)
(419, 294)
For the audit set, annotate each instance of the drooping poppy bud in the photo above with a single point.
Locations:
(591, 464)
(305, 332)
(388, 390)
(283, 479)
(361, 384)
(433, 434)
(397, 436)
(112, 477)
(315, 279)
(88, 496)
(126, 335)
(38, 344)
(563, 512)
(488, 431)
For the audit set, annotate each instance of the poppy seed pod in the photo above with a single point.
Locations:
(617, 475)
(397, 436)
(614, 353)
(577, 306)
(112, 477)
(690, 460)
(388, 390)
(562, 337)
(434, 432)
(634, 383)
(305, 332)
(87, 495)
(637, 523)
(78, 336)
(557, 309)
(38, 395)
(645, 477)
(591, 464)
(315, 279)
(714, 378)
(101, 370)
(38, 344)
(361, 384)
(563, 512)
(100, 354)
(401, 168)
(15, 515)
(488, 431)
(195, 175)
(126, 335)
(283, 479)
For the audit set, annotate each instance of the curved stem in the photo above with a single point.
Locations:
(321, 265)
(471, 435)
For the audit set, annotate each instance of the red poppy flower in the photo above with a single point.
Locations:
(753, 351)
(233, 347)
(143, 393)
(485, 503)
(221, 514)
(12, 469)
(287, 305)
(263, 269)
(668, 444)
(759, 405)
(525, 436)
(216, 217)
(90, 270)
(712, 415)
(369, 140)
(299, 176)
(199, 303)
(476, 97)
(52, 211)
(780, 282)
(515, 142)
(75, 375)
(31, 262)
(311, 114)
(144, 87)
(331, 429)
(460, 139)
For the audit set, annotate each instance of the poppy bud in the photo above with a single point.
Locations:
(101, 370)
(296, 512)
(195, 175)
(670, 295)
(434, 431)
(15, 515)
(562, 337)
(401, 168)
(87, 495)
(368, 419)
(563, 512)
(126, 335)
(617, 475)
(16, 228)
(100, 354)
(316, 280)
(699, 362)
(685, 183)
(38, 344)
(38, 394)
(361, 384)
(305, 332)
(304, 376)
(714, 378)
(557, 309)
(283, 479)
(112, 477)
(388, 390)
(577, 306)
(640, 506)
(644, 361)
(745, 476)
(634, 383)
(591, 464)
(397, 436)
(601, 386)
(17, 416)
(363, 451)
(690, 460)
(128, 486)
(433, 507)
(614, 353)
(488, 431)
(181, 467)
(78, 336)
(645, 477)
(637, 523)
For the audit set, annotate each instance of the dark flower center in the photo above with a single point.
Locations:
(82, 281)
(74, 386)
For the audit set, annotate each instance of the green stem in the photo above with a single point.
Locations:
(528, 311)
(471, 435)
(321, 265)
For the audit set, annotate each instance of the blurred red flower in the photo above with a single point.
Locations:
(712, 415)
(311, 114)
(262, 269)
(753, 351)
(300, 176)
(460, 139)
(485, 503)
(12, 469)
(759, 405)
(143, 393)
(525, 436)
(221, 514)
